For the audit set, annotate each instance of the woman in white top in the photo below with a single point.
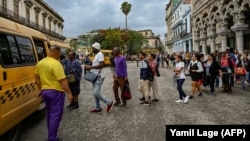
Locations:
(180, 76)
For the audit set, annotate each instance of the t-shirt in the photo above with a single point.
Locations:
(178, 66)
(99, 57)
(50, 71)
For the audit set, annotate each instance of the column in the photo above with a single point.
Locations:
(204, 47)
(239, 41)
(239, 29)
(223, 42)
(190, 46)
(212, 45)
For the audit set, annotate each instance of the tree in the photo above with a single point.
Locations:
(126, 7)
(134, 42)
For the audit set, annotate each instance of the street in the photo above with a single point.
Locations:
(137, 122)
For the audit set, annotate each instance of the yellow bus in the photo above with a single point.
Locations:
(64, 47)
(107, 54)
(20, 49)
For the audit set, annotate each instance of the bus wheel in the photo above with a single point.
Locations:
(13, 134)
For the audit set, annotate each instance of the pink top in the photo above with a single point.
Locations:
(153, 64)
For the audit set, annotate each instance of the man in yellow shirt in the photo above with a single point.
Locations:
(52, 83)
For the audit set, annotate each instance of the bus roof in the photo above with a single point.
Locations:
(13, 26)
(60, 44)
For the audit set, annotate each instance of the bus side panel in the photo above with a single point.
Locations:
(17, 96)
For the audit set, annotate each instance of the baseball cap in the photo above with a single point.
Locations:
(96, 46)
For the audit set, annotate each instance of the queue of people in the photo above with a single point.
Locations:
(55, 79)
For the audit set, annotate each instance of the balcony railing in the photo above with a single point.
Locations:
(27, 22)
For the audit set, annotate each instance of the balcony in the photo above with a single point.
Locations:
(27, 22)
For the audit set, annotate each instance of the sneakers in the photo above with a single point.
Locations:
(75, 106)
(96, 111)
(179, 101)
(186, 99)
(146, 103)
(109, 107)
(123, 104)
(155, 100)
(117, 103)
(71, 104)
(142, 99)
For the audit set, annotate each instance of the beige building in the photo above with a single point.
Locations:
(153, 43)
(169, 21)
(35, 14)
(218, 24)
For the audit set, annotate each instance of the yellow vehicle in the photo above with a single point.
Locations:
(107, 54)
(64, 47)
(20, 49)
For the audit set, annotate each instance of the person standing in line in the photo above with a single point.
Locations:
(212, 69)
(73, 66)
(52, 83)
(121, 76)
(180, 76)
(144, 79)
(195, 67)
(97, 65)
(112, 64)
(153, 84)
(86, 61)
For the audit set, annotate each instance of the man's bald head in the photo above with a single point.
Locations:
(55, 52)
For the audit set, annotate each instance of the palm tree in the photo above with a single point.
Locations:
(126, 7)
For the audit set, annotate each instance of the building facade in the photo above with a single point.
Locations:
(179, 31)
(35, 14)
(153, 43)
(218, 24)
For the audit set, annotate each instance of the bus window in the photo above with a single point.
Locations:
(26, 51)
(5, 51)
(40, 49)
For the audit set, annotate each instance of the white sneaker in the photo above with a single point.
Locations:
(179, 101)
(186, 99)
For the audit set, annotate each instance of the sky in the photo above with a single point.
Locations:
(82, 16)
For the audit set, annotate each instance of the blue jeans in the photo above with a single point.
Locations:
(179, 88)
(217, 82)
(97, 93)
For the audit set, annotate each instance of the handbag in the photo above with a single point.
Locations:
(90, 76)
(240, 71)
(71, 78)
(126, 93)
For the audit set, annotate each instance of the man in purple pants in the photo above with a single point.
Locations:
(52, 83)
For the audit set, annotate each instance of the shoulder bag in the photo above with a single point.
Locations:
(90, 76)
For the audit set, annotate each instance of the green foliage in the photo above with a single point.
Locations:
(126, 7)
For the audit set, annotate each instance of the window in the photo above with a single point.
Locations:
(26, 50)
(4, 4)
(49, 25)
(28, 14)
(40, 49)
(16, 50)
(37, 18)
(44, 25)
(16, 8)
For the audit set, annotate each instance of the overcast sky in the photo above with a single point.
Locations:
(81, 16)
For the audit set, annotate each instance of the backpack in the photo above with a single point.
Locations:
(150, 72)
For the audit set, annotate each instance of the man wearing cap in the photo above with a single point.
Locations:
(97, 65)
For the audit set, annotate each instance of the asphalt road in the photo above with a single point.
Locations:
(137, 122)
